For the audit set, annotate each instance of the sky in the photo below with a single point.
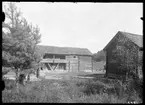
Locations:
(83, 25)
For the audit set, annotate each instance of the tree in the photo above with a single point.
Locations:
(126, 54)
(99, 56)
(19, 41)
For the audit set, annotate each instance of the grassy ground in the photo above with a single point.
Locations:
(74, 74)
(68, 90)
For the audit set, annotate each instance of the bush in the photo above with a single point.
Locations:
(5, 70)
(67, 91)
(9, 84)
(91, 87)
(134, 85)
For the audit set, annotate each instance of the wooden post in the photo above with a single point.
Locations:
(78, 63)
(50, 66)
(92, 62)
(56, 66)
(69, 65)
(106, 63)
(37, 73)
(53, 56)
(17, 79)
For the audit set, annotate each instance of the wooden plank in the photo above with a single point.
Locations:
(69, 65)
(78, 63)
(56, 66)
(50, 66)
(54, 60)
(92, 63)
(106, 62)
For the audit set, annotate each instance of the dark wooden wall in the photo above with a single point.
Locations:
(112, 63)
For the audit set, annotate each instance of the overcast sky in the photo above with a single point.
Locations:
(84, 25)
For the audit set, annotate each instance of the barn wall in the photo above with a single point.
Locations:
(77, 63)
(94, 66)
(85, 63)
(98, 66)
(72, 64)
(112, 61)
(140, 60)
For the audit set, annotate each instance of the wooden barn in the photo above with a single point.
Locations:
(131, 42)
(65, 58)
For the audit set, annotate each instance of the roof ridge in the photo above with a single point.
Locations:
(65, 50)
(62, 47)
(129, 33)
(135, 38)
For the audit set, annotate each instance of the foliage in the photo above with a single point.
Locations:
(19, 41)
(99, 56)
(5, 70)
(92, 88)
(66, 91)
(9, 84)
(126, 54)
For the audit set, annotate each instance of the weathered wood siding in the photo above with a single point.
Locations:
(94, 65)
(98, 66)
(72, 65)
(140, 60)
(78, 63)
(112, 62)
(85, 63)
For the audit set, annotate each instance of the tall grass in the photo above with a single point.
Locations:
(66, 91)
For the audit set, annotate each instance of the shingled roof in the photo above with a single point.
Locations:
(41, 49)
(136, 39)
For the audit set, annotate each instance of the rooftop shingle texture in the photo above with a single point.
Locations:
(137, 39)
(62, 50)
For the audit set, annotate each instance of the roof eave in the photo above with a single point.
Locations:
(119, 32)
(104, 49)
(71, 54)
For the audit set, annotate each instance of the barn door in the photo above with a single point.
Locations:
(113, 66)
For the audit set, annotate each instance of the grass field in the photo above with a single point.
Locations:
(67, 90)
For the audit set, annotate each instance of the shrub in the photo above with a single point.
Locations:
(5, 70)
(91, 87)
(134, 97)
(134, 85)
(9, 84)
(67, 91)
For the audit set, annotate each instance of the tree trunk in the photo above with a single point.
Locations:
(126, 75)
(28, 78)
(17, 80)
(120, 91)
(37, 74)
